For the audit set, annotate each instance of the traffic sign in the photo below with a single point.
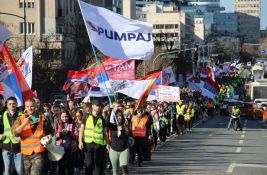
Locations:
(264, 51)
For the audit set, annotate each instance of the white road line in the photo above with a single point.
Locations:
(233, 165)
(244, 128)
(241, 141)
(210, 135)
(230, 168)
(242, 136)
(238, 150)
(243, 132)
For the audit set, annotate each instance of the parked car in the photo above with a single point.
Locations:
(252, 110)
(247, 110)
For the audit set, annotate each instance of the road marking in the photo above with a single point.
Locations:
(246, 121)
(241, 141)
(210, 135)
(233, 165)
(243, 132)
(242, 136)
(265, 136)
(238, 150)
(244, 128)
(197, 123)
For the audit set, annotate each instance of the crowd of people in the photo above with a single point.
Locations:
(96, 136)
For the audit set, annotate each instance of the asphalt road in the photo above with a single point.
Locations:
(212, 149)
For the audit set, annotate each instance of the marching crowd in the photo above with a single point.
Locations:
(96, 136)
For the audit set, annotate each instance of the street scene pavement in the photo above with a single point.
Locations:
(212, 149)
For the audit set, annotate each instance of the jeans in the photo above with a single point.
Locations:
(12, 160)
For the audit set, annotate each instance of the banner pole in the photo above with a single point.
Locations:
(98, 63)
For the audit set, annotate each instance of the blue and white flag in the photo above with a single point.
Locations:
(117, 36)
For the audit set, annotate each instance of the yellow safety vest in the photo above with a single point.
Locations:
(94, 133)
(180, 109)
(7, 131)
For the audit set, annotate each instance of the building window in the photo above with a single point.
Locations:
(28, 5)
(60, 8)
(143, 15)
(30, 28)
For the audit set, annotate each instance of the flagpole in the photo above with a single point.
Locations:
(98, 63)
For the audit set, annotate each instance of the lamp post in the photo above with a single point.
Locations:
(171, 52)
(24, 21)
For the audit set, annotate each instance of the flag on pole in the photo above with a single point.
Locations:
(25, 64)
(11, 78)
(145, 95)
(117, 36)
(4, 35)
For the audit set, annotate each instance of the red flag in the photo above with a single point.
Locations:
(23, 85)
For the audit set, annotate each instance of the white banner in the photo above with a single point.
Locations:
(26, 65)
(117, 36)
(4, 35)
(131, 88)
(168, 94)
(168, 76)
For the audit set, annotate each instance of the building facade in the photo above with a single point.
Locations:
(171, 27)
(226, 23)
(248, 12)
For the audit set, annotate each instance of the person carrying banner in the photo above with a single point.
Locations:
(11, 145)
(180, 110)
(32, 127)
(139, 133)
(93, 131)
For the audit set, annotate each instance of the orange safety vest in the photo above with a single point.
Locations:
(139, 129)
(30, 142)
(265, 114)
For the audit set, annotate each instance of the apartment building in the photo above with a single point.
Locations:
(171, 27)
(248, 12)
(54, 27)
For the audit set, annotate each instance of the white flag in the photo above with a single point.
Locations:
(117, 36)
(26, 66)
(4, 35)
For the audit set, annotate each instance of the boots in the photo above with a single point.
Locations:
(124, 170)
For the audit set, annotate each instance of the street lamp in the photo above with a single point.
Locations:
(166, 53)
(24, 19)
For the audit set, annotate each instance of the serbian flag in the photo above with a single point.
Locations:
(204, 73)
(11, 79)
(92, 76)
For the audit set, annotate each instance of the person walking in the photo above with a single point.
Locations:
(32, 127)
(180, 110)
(11, 145)
(66, 134)
(93, 131)
(139, 133)
(119, 144)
